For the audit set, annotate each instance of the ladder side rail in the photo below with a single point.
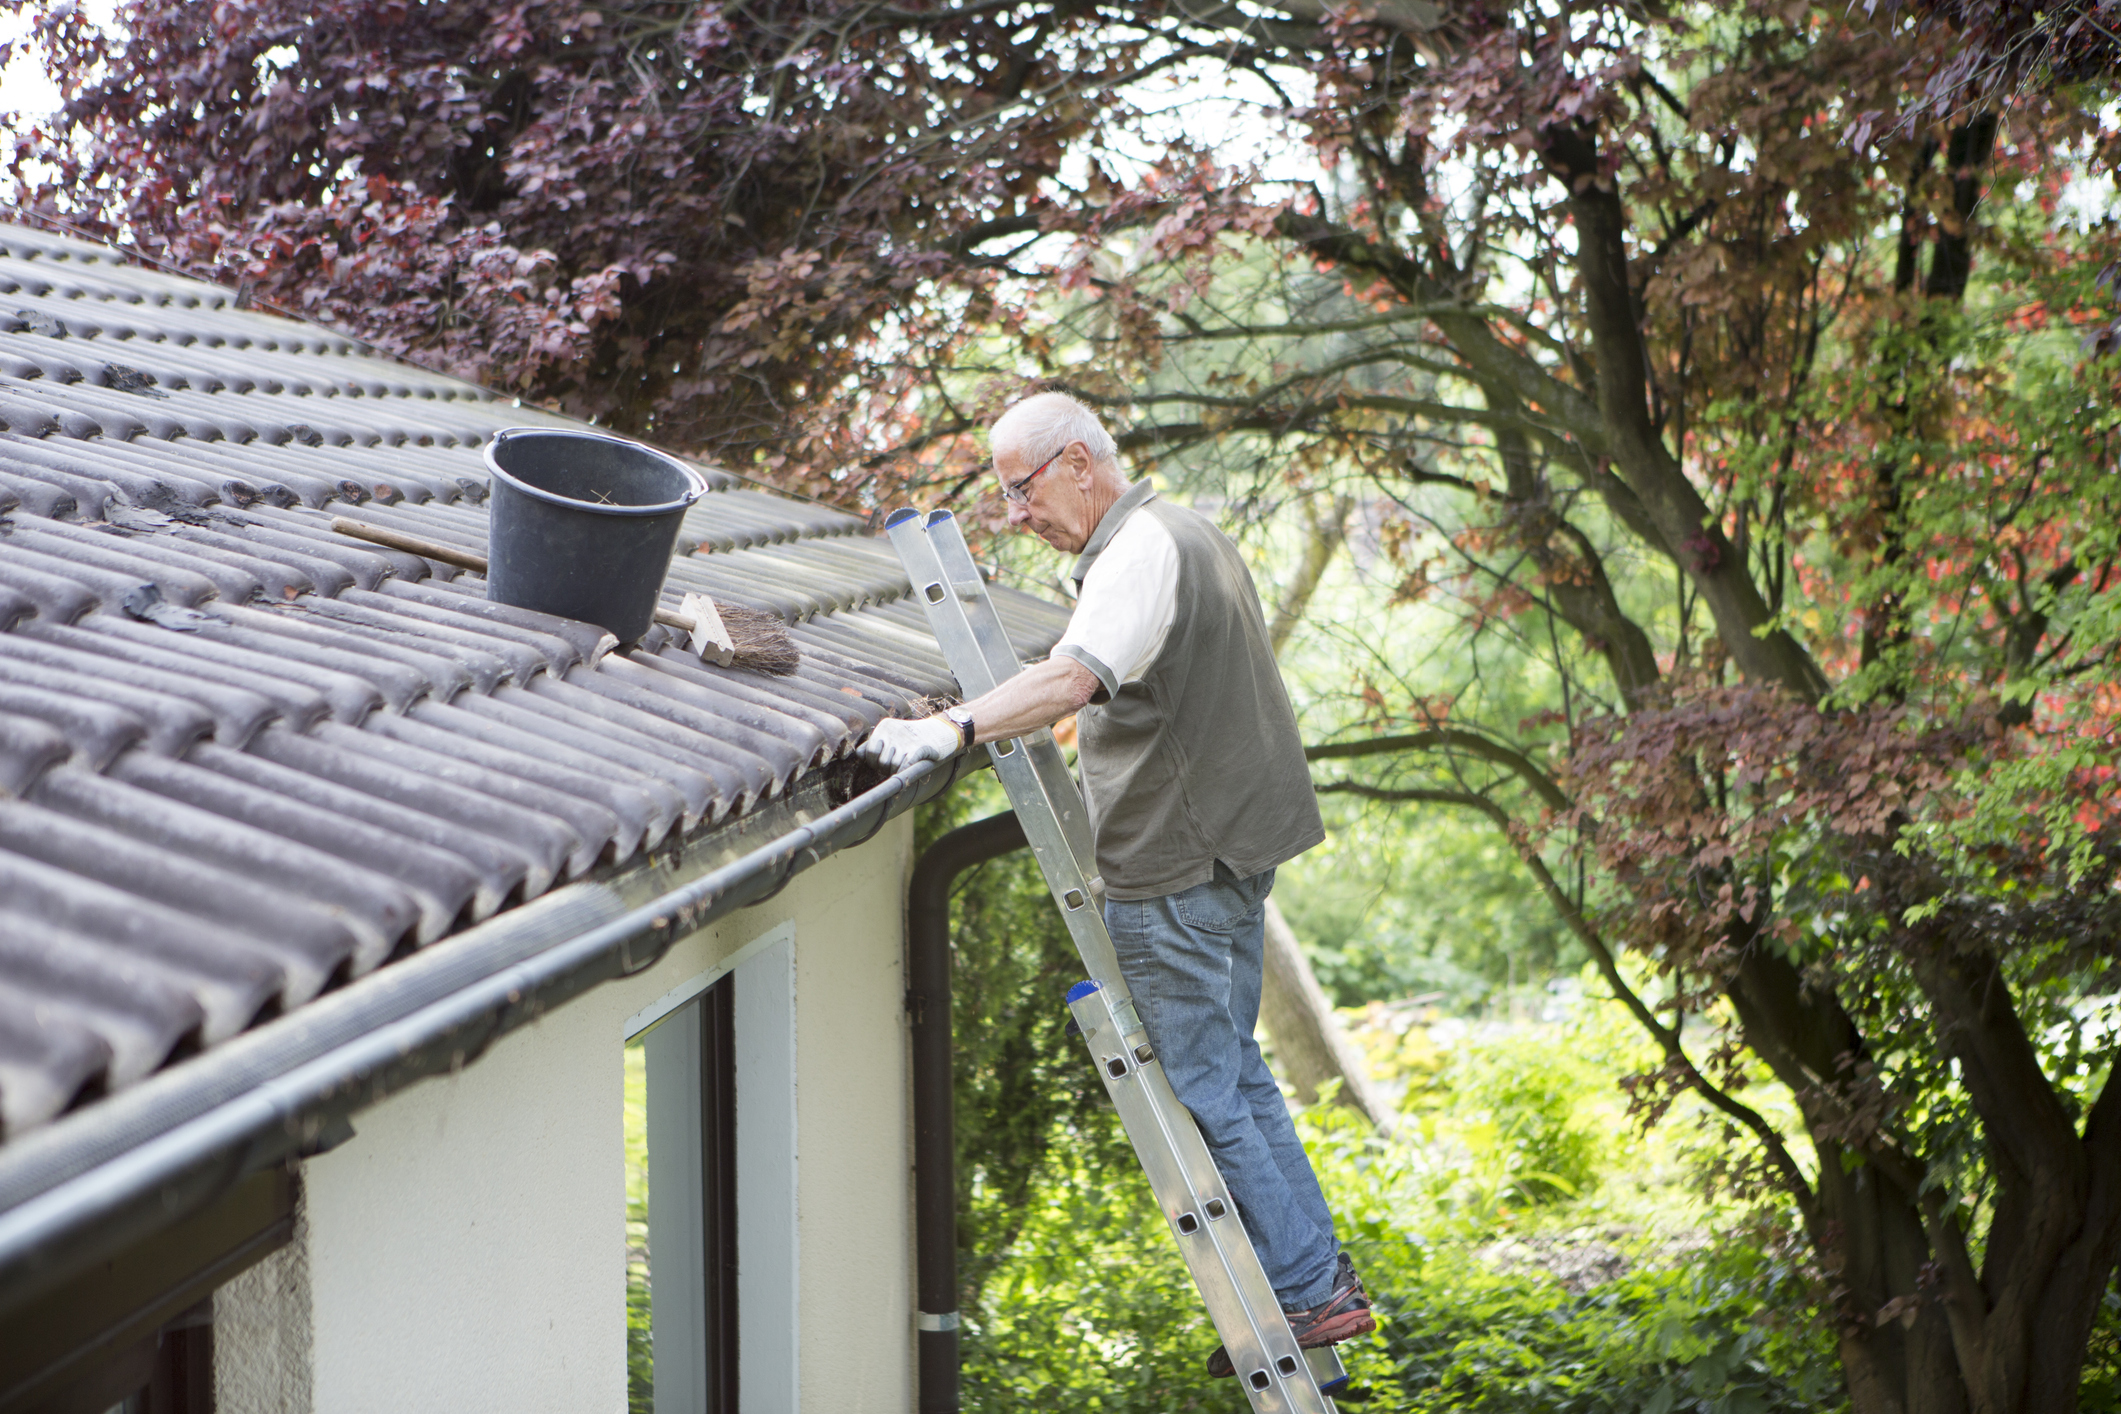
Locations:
(1031, 754)
(1326, 1370)
(1210, 1264)
(1191, 1163)
(967, 599)
(1186, 1145)
(1202, 1217)
(975, 674)
(1081, 903)
(1166, 1140)
(961, 574)
(1059, 781)
(951, 612)
(1052, 810)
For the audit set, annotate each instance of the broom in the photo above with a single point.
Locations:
(729, 634)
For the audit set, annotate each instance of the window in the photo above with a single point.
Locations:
(681, 1229)
(710, 1189)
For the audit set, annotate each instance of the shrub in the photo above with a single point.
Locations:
(1091, 1309)
(1517, 1109)
(1075, 1296)
(1461, 1336)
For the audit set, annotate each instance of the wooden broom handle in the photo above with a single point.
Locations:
(411, 544)
(450, 555)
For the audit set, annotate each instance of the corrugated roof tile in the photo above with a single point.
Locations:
(233, 976)
(142, 1012)
(244, 757)
(48, 1060)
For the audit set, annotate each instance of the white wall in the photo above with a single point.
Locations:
(466, 1248)
(262, 1336)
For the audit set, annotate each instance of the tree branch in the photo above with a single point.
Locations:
(1688, 526)
(1486, 356)
(1579, 592)
(1450, 739)
(972, 237)
(1398, 314)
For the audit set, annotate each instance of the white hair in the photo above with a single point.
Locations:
(1045, 424)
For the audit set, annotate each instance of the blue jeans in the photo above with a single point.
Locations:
(1193, 962)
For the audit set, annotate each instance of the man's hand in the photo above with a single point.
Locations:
(1037, 697)
(897, 743)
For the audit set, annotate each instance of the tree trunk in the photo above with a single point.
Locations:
(1323, 537)
(1928, 1325)
(1307, 1036)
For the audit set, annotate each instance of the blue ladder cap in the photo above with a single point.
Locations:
(1080, 990)
(939, 517)
(900, 516)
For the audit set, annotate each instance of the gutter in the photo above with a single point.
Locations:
(934, 1098)
(84, 1189)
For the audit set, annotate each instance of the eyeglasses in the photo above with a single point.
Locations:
(1013, 491)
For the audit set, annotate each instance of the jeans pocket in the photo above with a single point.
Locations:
(1224, 903)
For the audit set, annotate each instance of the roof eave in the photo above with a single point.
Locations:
(89, 1185)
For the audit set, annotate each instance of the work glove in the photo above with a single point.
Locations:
(897, 743)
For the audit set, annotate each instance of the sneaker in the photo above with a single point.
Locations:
(1341, 1316)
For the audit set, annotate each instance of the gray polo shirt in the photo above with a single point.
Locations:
(1197, 760)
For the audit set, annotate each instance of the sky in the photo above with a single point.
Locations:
(24, 90)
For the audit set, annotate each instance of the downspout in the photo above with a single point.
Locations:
(934, 1125)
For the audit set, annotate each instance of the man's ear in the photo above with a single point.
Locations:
(1081, 465)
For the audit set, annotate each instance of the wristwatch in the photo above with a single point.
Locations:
(961, 717)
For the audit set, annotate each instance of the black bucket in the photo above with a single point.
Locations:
(583, 525)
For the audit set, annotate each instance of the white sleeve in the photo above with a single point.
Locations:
(1125, 611)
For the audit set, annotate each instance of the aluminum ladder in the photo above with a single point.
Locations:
(1276, 1375)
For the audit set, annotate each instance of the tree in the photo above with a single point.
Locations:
(1682, 397)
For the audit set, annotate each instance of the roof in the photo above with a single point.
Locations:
(245, 760)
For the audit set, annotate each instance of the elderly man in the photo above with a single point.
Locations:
(1197, 789)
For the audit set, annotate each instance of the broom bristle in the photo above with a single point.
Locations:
(761, 640)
